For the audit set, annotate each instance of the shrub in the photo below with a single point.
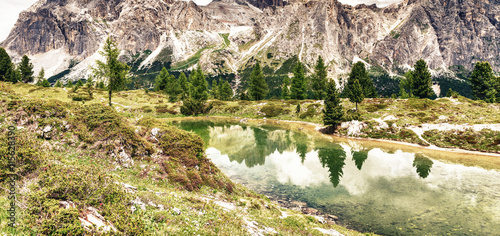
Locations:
(271, 110)
(165, 109)
(375, 107)
(420, 104)
(310, 112)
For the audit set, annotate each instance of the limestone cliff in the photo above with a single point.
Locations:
(226, 34)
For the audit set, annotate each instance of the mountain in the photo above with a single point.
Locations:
(225, 36)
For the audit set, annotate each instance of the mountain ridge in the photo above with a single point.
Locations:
(445, 33)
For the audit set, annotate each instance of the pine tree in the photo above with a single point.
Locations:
(215, 91)
(45, 83)
(195, 103)
(285, 92)
(421, 80)
(69, 84)
(113, 70)
(226, 93)
(183, 86)
(101, 85)
(332, 112)
(58, 84)
(258, 85)
(299, 85)
(358, 72)
(26, 69)
(41, 75)
(79, 84)
(6, 67)
(89, 84)
(356, 93)
(162, 80)
(319, 80)
(405, 86)
(483, 82)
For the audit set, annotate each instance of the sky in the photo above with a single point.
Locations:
(10, 9)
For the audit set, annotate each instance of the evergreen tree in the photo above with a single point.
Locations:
(89, 84)
(101, 85)
(258, 85)
(319, 80)
(69, 84)
(58, 84)
(297, 108)
(356, 93)
(226, 93)
(332, 112)
(405, 86)
(79, 84)
(483, 82)
(6, 67)
(285, 92)
(183, 86)
(299, 85)
(358, 72)
(215, 91)
(421, 80)
(45, 83)
(113, 70)
(196, 103)
(162, 80)
(41, 75)
(26, 69)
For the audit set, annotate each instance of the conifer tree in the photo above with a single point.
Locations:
(299, 85)
(226, 93)
(319, 79)
(258, 85)
(421, 80)
(26, 69)
(45, 83)
(196, 102)
(356, 93)
(41, 75)
(112, 69)
(79, 84)
(332, 112)
(215, 91)
(484, 83)
(358, 72)
(58, 84)
(285, 92)
(162, 80)
(183, 86)
(69, 84)
(6, 67)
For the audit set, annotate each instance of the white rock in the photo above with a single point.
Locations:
(177, 211)
(47, 129)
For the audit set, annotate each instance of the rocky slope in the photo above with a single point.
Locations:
(224, 35)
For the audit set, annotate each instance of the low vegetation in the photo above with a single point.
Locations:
(138, 176)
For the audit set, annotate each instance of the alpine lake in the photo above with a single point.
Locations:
(372, 186)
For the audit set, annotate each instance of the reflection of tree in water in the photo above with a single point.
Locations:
(199, 127)
(301, 141)
(423, 165)
(359, 158)
(333, 157)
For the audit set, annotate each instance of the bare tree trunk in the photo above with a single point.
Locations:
(110, 98)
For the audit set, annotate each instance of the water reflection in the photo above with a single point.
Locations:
(423, 165)
(333, 158)
(371, 189)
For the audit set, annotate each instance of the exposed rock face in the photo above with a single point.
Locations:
(443, 32)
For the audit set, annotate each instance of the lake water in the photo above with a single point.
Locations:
(370, 189)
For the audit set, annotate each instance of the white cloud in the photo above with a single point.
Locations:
(9, 12)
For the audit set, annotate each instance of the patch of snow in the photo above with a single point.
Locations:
(235, 30)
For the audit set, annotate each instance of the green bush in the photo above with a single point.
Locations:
(271, 110)
(165, 109)
(310, 112)
(420, 104)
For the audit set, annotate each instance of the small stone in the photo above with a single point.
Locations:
(177, 211)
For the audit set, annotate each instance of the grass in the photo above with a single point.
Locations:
(78, 164)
